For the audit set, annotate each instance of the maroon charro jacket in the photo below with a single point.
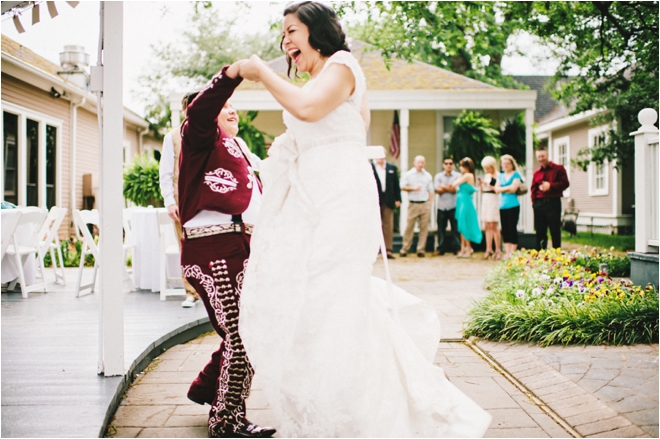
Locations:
(214, 174)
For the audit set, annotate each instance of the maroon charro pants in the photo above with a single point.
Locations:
(214, 266)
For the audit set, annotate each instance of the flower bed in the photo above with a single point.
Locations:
(552, 297)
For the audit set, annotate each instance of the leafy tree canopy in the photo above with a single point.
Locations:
(613, 46)
(469, 38)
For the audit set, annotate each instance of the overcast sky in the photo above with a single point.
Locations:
(158, 22)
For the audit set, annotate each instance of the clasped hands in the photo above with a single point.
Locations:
(249, 69)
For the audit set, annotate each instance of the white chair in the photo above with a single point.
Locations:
(168, 248)
(50, 242)
(29, 225)
(10, 218)
(89, 247)
(129, 244)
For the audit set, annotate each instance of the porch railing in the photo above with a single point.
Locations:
(646, 182)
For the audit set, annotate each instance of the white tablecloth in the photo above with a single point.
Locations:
(9, 268)
(146, 254)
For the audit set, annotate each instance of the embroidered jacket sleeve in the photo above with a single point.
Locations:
(200, 127)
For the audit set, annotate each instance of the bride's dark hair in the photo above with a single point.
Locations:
(325, 33)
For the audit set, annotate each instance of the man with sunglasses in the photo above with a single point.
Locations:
(446, 208)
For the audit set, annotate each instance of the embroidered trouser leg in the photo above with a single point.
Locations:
(186, 285)
(214, 266)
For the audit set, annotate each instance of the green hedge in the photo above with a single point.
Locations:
(551, 297)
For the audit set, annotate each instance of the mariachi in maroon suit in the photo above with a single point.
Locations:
(215, 175)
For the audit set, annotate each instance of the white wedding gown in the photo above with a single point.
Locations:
(337, 351)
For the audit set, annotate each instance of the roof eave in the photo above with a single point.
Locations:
(13, 66)
(568, 121)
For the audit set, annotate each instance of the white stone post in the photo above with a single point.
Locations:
(175, 108)
(404, 123)
(529, 169)
(646, 182)
(111, 203)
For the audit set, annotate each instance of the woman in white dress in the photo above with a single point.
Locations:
(338, 352)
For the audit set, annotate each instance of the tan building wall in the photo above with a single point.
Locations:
(421, 138)
(271, 123)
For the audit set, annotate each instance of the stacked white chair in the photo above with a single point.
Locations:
(50, 242)
(29, 225)
(129, 244)
(89, 247)
(168, 248)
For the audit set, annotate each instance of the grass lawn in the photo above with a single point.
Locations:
(622, 243)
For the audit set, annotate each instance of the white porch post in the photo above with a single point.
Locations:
(646, 183)
(404, 122)
(111, 320)
(529, 168)
(175, 108)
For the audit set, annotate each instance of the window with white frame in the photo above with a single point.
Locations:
(561, 154)
(31, 155)
(598, 173)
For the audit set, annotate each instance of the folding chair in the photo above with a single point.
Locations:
(29, 225)
(50, 242)
(10, 219)
(129, 244)
(168, 248)
(89, 247)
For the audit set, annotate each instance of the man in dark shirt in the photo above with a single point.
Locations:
(549, 181)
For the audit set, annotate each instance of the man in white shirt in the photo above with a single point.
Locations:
(419, 185)
(169, 176)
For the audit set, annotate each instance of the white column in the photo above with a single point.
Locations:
(175, 108)
(646, 182)
(529, 168)
(111, 201)
(404, 122)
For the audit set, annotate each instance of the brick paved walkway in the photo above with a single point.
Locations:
(530, 391)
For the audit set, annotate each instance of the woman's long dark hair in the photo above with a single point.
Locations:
(325, 33)
(468, 164)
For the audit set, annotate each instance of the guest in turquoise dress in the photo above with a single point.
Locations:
(466, 213)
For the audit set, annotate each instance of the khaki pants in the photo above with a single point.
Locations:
(415, 211)
(186, 285)
(387, 222)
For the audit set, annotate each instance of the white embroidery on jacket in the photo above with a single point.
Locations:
(221, 181)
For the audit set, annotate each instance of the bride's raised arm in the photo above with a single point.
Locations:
(333, 88)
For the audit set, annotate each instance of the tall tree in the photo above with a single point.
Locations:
(208, 42)
(468, 37)
(611, 51)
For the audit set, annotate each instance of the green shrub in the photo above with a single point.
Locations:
(141, 182)
(550, 297)
(71, 249)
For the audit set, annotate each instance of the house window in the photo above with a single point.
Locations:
(32, 163)
(31, 157)
(51, 162)
(598, 173)
(561, 154)
(10, 157)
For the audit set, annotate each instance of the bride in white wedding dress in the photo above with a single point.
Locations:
(338, 352)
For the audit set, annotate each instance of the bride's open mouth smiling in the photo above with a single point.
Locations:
(295, 55)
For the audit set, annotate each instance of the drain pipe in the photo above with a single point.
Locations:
(73, 132)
